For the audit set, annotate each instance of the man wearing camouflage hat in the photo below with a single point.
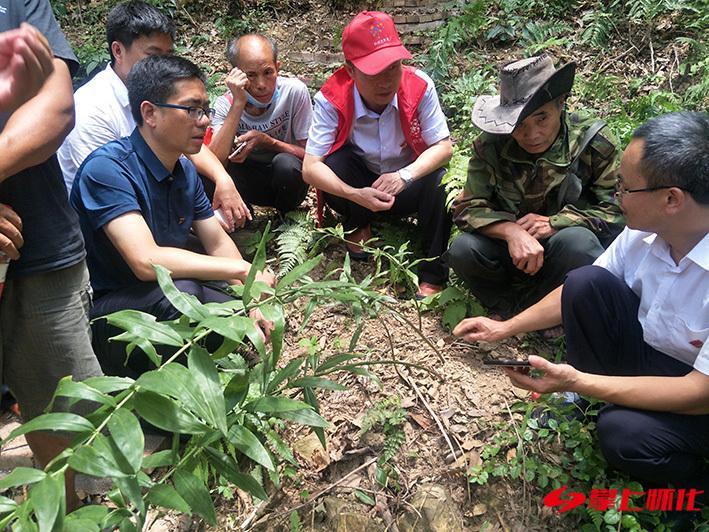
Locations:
(538, 201)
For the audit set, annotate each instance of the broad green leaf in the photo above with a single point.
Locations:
(187, 304)
(131, 492)
(21, 476)
(316, 382)
(7, 505)
(109, 384)
(454, 314)
(97, 460)
(334, 361)
(142, 325)
(93, 512)
(232, 327)
(244, 440)
(144, 345)
(236, 391)
(79, 390)
(74, 524)
(173, 380)
(115, 518)
(189, 390)
(47, 497)
(280, 446)
(228, 346)
(128, 436)
(194, 492)
(227, 468)
(299, 272)
(256, 265)
(276, 404)
(312, 400)
(364, 497)
(55, 422)
(286, 372)
(158, 459)
(127, 525)
(166, 414)
(166, 497)
(208, 392)
(305, 417)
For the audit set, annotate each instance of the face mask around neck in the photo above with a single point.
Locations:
(260, 105)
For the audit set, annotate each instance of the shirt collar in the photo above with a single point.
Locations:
(699, 254)
(151, 161)
(361, 110)
(119, 88)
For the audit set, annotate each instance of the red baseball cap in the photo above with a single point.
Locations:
(370, 42)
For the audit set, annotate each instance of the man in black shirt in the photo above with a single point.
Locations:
(44, 329)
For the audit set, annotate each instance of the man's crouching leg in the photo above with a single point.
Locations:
(658, 447)
(45, 336)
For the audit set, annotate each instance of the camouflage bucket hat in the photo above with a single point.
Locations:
(525, 86)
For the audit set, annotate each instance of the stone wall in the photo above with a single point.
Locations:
(415, 16)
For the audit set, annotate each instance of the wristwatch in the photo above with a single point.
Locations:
(406, 177)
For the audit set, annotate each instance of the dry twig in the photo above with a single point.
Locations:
(317, 495)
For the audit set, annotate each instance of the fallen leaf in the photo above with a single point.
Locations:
(421, 421)
(311, 451)
(479, 509)
(511, 454)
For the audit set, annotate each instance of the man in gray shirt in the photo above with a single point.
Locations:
(261, 125)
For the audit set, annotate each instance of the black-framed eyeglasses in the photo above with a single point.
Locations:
(195, 113)
(620, 191)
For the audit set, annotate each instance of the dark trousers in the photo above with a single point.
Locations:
(604, 336)
(276, 184)
(425, 197)
(145, 297)
(485, 265)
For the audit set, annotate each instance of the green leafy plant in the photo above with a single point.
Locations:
(227, 415)
(294, 241)
(387, 418)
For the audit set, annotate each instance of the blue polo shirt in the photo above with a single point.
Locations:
(126, 176)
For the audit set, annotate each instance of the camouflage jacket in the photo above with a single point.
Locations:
(505, 183)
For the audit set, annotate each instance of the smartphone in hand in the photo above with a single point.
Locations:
(506, 362)
(237, 151)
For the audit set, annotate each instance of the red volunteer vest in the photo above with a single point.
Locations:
(339, 91)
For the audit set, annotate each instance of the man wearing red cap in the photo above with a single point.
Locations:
(378, 142)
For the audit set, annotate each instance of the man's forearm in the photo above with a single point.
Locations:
(209, 166)
(681, 395)
(503, 230)
(186, 264)
(433, 158)
(223, 139)
(279, 146)
(542, 315)
(318, 174)
(36, 129)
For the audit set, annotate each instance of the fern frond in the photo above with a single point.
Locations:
(294, 240)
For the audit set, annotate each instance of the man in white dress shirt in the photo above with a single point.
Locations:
(134, 30)
(379, 141)
(637, 320)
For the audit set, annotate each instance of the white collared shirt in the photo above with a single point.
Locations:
(102, 115)
(378, 138)
(674, 298)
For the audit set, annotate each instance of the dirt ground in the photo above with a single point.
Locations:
(450, 407)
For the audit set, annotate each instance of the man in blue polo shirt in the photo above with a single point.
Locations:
(137, 199)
